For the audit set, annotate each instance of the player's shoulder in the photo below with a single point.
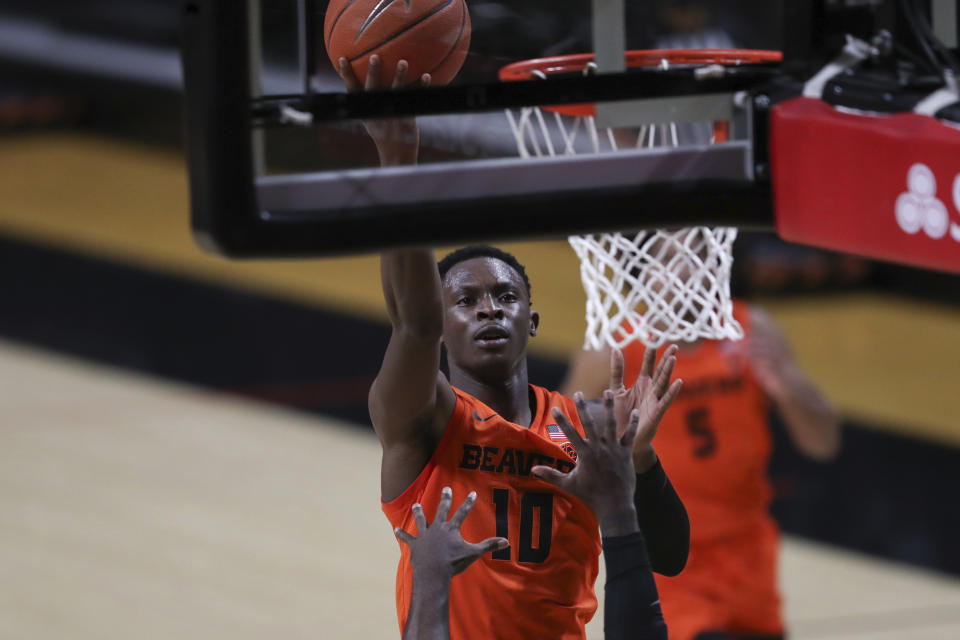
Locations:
(464, 402)
(550, 397)
(752, 317)
(743, 311)
(759, 320)
(566, 404)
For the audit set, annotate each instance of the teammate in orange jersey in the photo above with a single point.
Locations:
(717, 444)
(604, 479)
(484, 427)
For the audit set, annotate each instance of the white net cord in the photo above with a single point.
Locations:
(652, 286)
(657, 286)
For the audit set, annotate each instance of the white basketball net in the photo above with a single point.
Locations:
(652, 286)
(657, 286)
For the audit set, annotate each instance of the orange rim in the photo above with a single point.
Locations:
(524, 69)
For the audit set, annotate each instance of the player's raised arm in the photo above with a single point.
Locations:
(410, 400)
(604, 479)
(660, 512)
(812, 423)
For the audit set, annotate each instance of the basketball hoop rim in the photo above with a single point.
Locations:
(637, 58)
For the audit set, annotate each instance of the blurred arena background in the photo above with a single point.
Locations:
(184, 445)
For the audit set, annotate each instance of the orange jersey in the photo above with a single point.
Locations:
(542, 585)
(715, 442)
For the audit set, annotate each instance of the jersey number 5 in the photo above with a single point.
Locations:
(531, 503)
(698, 424)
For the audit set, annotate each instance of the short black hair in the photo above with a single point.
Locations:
(482, 251)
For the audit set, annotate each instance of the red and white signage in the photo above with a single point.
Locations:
(884, 186)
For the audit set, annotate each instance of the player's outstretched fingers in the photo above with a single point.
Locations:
(662, 381)
(419, 518)
(568, 429)
(403, 536)
(665, 370)
(671, 350)
(400, 75)
(609, 431)
(490, 544)
(373, 73)
(585, 419)
(664, 402)
(649, 359)
(349, 77)
(616, 370)
(460, 515)
(443, 508)
(633, 426)
(549, 474)
(477, 550)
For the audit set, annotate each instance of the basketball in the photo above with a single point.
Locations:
(431, 35)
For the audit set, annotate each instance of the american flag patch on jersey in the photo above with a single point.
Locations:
(555, 432)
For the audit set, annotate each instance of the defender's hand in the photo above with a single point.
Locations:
(651, 395)
(604, 477)
(438, 550)
(397, 139)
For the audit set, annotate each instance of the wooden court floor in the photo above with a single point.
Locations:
(135, 508)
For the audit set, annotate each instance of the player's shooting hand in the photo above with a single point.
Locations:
(438, 550)
(651, 395)
(604, 477)
(397, 139)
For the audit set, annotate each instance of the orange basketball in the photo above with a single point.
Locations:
(431, 35)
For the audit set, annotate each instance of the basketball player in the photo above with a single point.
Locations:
(604, 479)
(717, 444)
(484, 427)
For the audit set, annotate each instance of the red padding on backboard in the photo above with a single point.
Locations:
(886, 187)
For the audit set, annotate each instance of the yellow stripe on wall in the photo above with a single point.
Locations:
(883, 359)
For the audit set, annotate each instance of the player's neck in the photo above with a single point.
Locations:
(509, 397)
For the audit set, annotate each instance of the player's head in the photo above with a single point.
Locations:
(487, 315)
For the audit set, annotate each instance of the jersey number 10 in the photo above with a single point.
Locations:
(531, 503)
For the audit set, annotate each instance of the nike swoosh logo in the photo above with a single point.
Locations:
(377, 11)
(476, 416)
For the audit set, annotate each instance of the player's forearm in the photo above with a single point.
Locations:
(663, 521)
(429, 615)
(631, 603)
(813, 424)
(411, 288)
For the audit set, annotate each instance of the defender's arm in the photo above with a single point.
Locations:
(660, 512)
